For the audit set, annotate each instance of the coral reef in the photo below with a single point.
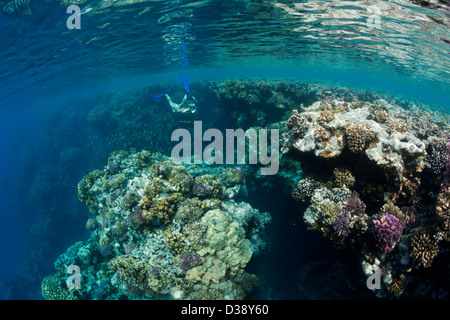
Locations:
(424, 249)
(388, 230)
(305, 189)
(169, 232)
(387, 191)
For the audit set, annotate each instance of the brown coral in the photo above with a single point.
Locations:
(359, 137)
(321, 134)
(343, 177)
(355, 205)
(397, 287)
(443, 213)
(382, 116)
(297, 125)
(325, 116)
(305, 189)
(424, 249)
(392, 209)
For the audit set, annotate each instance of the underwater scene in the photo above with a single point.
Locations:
(225, 150)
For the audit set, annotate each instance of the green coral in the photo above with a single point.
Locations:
(190, 210)
(53, 288)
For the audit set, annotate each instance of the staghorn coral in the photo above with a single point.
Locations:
(388, 230)
(424, 249)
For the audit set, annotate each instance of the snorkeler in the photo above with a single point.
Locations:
(187, 106)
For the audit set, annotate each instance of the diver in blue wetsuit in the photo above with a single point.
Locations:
(187, 106)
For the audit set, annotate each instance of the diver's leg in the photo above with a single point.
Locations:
(175, 107)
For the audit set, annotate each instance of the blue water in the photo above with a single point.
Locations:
(52, 77)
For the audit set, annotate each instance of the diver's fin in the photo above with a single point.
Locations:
(186, 83)
(158, 97)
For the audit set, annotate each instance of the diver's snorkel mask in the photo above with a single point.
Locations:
(192, 105)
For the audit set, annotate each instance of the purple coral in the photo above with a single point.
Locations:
(155, 271)
(200, 189)
(135, 219)
(113, 168)
(355, 205)
(342, 223)
(388, 229)
(189, 261)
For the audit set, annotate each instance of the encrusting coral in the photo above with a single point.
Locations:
(160, 237)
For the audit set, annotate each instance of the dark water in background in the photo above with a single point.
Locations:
(51, 78)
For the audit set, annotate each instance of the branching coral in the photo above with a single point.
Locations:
(436, 159)
(343, 178)
(321, 134)
(355, 205)
(424, 249)
(325, 116)
(342, 223)
(189, 261)
(388, 230)
(443, 212)
(359, 136)
(382, 116)
(305, 189)
(297, 125)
